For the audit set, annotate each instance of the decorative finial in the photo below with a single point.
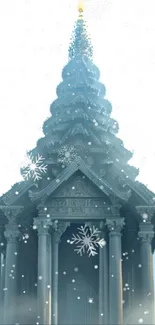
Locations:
(80, 9)
(80, 6)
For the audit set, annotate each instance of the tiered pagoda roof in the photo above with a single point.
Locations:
(81, 135)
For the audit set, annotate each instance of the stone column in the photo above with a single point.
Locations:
(0, 263)
(2, 286)
(103, 279)
(42, 224)
(12, 234)
(146, 235)
(115, 271)
(58, 229)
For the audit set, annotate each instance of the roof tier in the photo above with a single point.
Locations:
(81, 128)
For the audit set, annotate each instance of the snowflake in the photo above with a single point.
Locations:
(87, 240)
(66, 155)
(33, 167)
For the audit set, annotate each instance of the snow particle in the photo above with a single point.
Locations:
(145, 216)
(87, 240)
(67, 154)
(33, 167)
(40, 277)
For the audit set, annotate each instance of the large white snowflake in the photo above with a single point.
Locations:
(33, 167)
(87, 240)
(66, 155)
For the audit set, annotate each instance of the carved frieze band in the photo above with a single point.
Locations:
(80, 207)
(115, 226)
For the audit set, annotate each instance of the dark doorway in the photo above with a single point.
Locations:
(78, 284)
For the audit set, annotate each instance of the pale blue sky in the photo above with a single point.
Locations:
(34, 38)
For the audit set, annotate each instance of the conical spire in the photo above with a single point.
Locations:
(80, 44)
(81, 115)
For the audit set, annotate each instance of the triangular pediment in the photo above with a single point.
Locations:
(78, 165)
(78, 185)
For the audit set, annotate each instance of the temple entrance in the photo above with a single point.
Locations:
(78, 284)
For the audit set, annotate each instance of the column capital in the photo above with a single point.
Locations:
(115, 226)
(146, 228)
(145, 212)
(12, 212)
(146, 237)
(58, 228)
(12, 234)
(42, 224)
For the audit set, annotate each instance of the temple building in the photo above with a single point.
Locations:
(80, 184)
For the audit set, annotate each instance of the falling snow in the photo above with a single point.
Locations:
(87, 241)
(33, 167)
(66, 155)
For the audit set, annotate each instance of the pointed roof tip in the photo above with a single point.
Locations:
(80, 9)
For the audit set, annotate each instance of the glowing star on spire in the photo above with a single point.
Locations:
(80, 9)
(80, 6)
